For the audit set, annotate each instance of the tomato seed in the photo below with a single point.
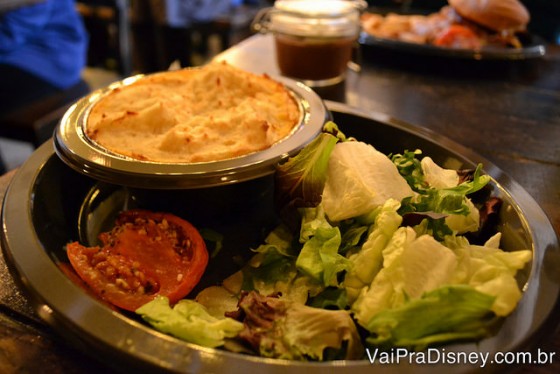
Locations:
(122, 283)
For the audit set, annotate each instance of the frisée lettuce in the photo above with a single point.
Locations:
(296, 331)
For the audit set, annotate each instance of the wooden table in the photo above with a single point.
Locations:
(508, 112)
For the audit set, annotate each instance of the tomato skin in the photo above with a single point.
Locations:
(146, 254)
(458, 36)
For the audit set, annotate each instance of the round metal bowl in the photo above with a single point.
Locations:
(49, 204)
(87, 157)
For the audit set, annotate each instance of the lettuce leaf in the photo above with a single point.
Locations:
(330, 298)
(491, 270)
(438, 177)
(189, 321)
(360, 178)
(366, 263)
(311, 220)
(425, 173)
(461, 215)
(273, 270)
(442, 191)
(415, 263)
(412, 265)
(410, 168)
(443, 315)
(319, 257)
(299, 182)
(352, 236)
(450, 200)
(269, 271)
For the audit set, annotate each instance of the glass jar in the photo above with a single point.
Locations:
(314, 39)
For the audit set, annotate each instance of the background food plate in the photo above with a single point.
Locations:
(48, 204)
(532, 48)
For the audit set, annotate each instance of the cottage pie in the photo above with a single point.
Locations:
(204, 114)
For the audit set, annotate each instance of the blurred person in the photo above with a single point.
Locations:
(183, 13)
(43, 49)
(166, 26)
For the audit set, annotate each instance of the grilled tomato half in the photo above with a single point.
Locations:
(144, 255)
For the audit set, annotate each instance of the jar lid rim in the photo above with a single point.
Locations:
(326, 8)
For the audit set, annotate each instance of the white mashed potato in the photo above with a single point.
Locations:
(192, 115)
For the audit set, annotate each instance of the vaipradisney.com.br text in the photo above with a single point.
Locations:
(434, 356)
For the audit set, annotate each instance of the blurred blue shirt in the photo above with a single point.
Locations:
(182, 13)
(47, 40)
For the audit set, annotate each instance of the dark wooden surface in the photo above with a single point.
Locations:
(507, 111)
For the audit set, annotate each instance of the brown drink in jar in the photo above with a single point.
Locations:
(314, 59)
(314, 39)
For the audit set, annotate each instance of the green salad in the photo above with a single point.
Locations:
(373, 250)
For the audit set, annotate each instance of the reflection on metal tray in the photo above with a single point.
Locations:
(66, 205)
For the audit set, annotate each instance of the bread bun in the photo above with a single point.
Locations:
(497, 15)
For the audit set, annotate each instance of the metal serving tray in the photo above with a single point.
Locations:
(49, 204)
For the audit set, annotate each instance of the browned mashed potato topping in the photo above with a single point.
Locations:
(191, 115)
